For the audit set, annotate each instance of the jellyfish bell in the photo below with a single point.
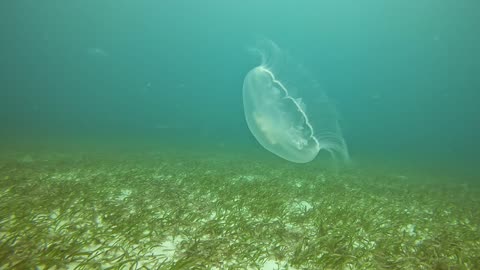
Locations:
(278, 120)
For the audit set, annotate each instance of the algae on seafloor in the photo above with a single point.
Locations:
(132, 212)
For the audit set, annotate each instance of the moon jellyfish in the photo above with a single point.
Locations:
(277, 115)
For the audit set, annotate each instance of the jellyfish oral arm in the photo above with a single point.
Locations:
(266, 127)
(293, 100)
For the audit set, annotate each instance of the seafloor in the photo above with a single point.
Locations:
(194, 210)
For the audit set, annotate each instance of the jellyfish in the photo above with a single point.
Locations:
(277, 115)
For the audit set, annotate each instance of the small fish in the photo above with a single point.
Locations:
(147, 87)
(166, 126)
(162, 126)
(98, 52)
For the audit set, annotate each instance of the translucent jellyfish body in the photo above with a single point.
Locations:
(278, 120)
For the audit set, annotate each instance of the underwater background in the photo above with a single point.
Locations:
(403, 75)
(124, 78)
